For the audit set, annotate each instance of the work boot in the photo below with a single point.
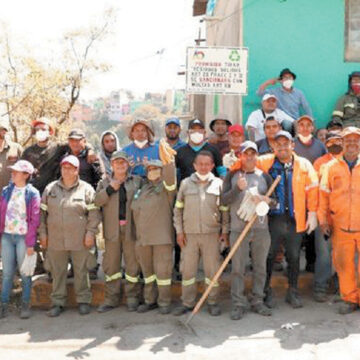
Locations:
(4, 310)
(268, 299)
(55, 311)
(237, 312)
(103, 308)
(25, 312)
(182, 309)
(132, 306)
(347, 307)
(143, 308)
(163, 310)
(261, 309)
(293, 298)
(84, 308)
(214, 309)
(320, 296)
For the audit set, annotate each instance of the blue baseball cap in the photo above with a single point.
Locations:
(173, 120)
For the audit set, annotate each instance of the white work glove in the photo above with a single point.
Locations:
(248, 205)
(311, 222)
(229, 159)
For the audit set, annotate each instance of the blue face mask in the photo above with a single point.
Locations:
(197, 148)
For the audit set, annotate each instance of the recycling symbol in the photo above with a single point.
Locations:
(234, 55)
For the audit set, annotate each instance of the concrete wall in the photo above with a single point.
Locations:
(305, 35)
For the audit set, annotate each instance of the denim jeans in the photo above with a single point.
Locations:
(323, 261)
(13, 250)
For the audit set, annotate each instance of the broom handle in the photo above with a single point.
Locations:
(230, 255)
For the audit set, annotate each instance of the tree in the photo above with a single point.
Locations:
(31, 88)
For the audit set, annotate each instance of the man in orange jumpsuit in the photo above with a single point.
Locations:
(340, 199)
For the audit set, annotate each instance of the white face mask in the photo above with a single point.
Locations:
(305, 139)
(42, 135)
(203, 177)
(196, 137)
(287, 84)
(140, 144)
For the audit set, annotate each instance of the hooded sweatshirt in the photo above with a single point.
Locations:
(105, 157)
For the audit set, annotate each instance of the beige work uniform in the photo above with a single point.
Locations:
(67, 216)
(152, 211)
(9, 154)
(199, 215)
(119, 241)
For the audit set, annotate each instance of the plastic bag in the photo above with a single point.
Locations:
(28, 266)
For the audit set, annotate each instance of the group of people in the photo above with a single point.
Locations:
(164, 205)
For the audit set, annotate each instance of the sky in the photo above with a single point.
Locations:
(143, 28)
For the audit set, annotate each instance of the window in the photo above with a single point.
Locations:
(352, 30)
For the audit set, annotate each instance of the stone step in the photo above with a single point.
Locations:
(41, 290)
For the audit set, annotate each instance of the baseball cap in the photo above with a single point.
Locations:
(349, 131)
(196, 122)
(155, 163)
(23, 166)
(332, 135)
(120, 154)
(248, 145)
(268, 96)
(173, 120)
(77, 134)
(236, 128)
(72, 160)
(45, 121)
(284, 134)
(307, 117)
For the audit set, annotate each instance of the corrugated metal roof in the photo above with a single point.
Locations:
(199, 7)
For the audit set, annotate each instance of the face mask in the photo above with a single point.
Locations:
(305, 139)
(196, 137)
(335, 149)
(262, 208)
(140, 144)
(287, 84)
(356, 88)
(42, 135)
(154, 174)
(203, 177)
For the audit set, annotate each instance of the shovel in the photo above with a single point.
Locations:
(228, 258)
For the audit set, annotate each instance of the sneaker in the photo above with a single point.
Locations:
(214, 309)
(25, 312)
(55, 311)
(143, 308)
(347, 307)
(163, 310)
(320, 296)
(293, 298)
(237, 312)
(180, 310)
(261, 309)
(105, 308)
(4, 310)
(84, 308)
(278, 266)
(269, 299)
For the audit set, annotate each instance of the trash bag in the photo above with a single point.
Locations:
(28, 266)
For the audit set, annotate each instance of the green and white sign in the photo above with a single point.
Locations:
(217, 70)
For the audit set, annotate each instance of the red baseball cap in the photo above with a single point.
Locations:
(236, 128)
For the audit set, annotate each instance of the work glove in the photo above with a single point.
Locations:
(229, 159)
(248, 205)
(166, 152)
(311, 222)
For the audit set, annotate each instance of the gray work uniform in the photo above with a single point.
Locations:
(257, 240)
